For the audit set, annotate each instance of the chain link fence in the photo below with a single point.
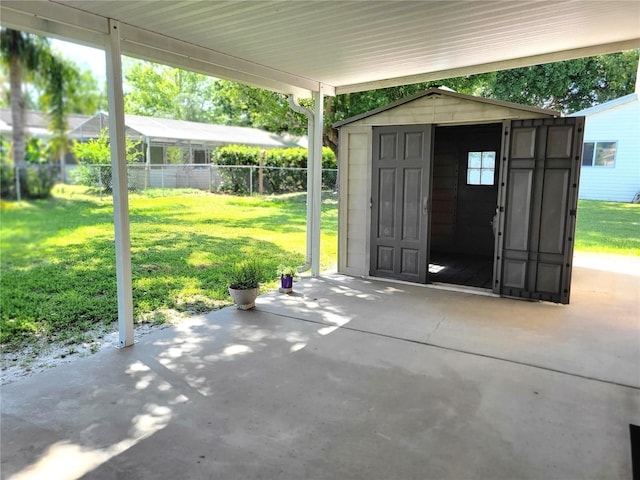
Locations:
(239, 180)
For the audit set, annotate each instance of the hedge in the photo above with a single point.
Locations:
(235, 180)
(36, 181)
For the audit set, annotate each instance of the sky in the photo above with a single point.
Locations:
(85, 57)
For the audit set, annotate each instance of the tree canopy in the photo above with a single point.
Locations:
(167, 92)
(27, 57)
(568, 86)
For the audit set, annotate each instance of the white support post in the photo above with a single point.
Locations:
(316, 190)
(147, 164)
(119, 179)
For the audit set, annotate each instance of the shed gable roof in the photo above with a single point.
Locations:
(436, 92)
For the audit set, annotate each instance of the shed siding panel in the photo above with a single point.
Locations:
(621, 182)
(355, 152)
(443, 110)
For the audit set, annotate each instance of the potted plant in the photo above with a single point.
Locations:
(286, 273)
(244, 283)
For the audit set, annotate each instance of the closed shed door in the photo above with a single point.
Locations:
(538, 203)
(400, 202)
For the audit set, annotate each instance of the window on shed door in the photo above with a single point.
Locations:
(599, 154)
(481, 168)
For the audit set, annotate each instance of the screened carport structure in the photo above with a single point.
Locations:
(174, 151)
(318, 49)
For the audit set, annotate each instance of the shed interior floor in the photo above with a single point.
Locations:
(461, 269)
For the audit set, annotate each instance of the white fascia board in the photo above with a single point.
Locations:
(492, 67)
(55, 20)
(152, 45)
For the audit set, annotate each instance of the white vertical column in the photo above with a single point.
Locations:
(316, 190)
(147, 164)
(119, 178)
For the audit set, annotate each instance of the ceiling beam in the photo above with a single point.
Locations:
(160, 48)
(68, 23)
(492, 67)
(56, 21)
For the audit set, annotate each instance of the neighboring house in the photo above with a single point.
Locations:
(176, 151)
(611, 154)
(36, 123)
(449, 188)
(172, 149)
(195, 140)
(157, 134)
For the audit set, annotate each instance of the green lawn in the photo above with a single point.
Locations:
(608, 227)
(58, 255)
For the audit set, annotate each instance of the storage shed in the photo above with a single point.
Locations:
(449, 188)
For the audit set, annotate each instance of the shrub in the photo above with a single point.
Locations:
(37, 176)
(94, 158)
(7, 182)
(40, 180)
(235, 180)
(246, 275)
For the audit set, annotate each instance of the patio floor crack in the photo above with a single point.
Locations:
(426, 343)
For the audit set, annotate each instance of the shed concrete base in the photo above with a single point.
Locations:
(349, 379)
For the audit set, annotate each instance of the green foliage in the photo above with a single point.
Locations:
(167, 92)
(243, 105)
(5, 151)
(286, 270)
(58, 256)
(36, 181)
(571, 85)
(97, 151)
(37, 152)
(37, 177)
(55, 79)
(82, 94)
(39, 181)
(246, 275)
(7, 182)
(235, 180)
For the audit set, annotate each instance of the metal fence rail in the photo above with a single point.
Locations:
(235, 179)
(240, 180)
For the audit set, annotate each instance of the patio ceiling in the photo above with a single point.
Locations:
(347, 46)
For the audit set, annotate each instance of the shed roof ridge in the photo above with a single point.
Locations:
(447, 92)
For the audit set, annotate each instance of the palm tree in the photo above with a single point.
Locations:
(30, 56)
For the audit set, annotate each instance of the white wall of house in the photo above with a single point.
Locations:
(618, 123)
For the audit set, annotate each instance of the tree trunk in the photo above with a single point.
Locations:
(17, 110)
(330, 134)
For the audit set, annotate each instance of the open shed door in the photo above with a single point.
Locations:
(400, 202)
(538, 201)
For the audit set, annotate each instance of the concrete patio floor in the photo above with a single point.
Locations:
(349, 379)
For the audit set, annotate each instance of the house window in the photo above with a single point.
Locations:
(599, 154)
(481, 168)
